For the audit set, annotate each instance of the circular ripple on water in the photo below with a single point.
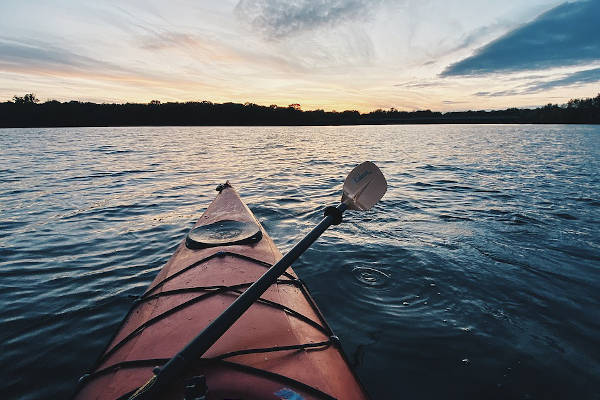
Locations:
(371, 276)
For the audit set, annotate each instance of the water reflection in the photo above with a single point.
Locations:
(485, 247)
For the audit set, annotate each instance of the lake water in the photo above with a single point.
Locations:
(477, 276)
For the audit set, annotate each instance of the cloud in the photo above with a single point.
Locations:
(417, 85)
(15, 53)
(565, 35)
(420, 84)
(36, 58)
(497, 94)
(279, 18)
(453, 102)
(166, 40)
(576, 78)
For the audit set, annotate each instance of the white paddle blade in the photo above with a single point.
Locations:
(364, 187)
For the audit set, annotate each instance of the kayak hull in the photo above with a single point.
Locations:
(280, 348)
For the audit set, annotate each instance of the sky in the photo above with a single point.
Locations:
(323, 54)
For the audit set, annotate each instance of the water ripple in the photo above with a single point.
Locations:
(371, 276)
(477, 276)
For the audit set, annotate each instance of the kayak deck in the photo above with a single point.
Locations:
(280, 348)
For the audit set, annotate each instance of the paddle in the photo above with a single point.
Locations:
(364, 186)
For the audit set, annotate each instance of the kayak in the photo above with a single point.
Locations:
(280, 348)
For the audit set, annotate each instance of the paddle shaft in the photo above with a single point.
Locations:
(201, 343)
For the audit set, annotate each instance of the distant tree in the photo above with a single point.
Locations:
(75, 113)
(29, 98)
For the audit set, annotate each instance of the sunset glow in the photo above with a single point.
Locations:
(322, 54)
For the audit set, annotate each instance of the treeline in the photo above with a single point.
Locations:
(27, 111)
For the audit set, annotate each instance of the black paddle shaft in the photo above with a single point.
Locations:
(201, 343)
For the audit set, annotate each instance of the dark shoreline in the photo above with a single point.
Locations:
(30, 114)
